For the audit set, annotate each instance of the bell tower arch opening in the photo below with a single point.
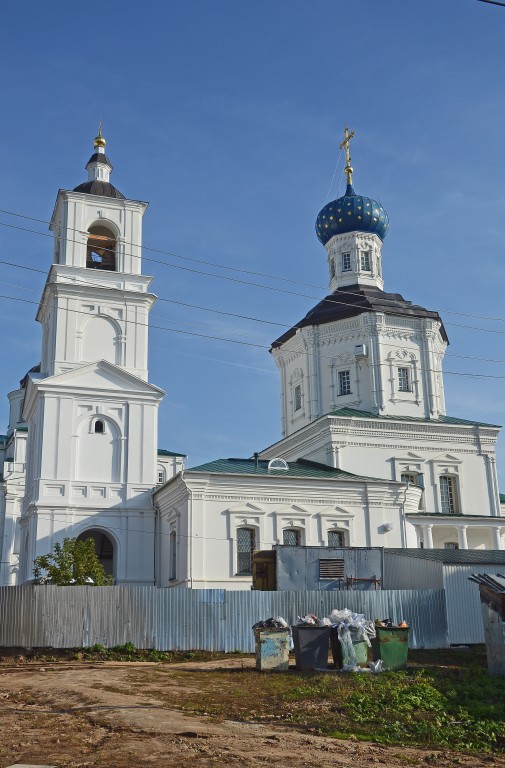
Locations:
(101, 248)
(104, 548)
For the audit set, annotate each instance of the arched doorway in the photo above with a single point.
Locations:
(104, 548)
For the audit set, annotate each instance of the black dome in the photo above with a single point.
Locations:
(101, 188)
(99, 157)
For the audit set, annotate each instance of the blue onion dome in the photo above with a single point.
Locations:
(351, 213)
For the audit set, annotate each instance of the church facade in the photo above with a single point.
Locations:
(368, 455)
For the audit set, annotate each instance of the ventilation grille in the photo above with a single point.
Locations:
(331, 569)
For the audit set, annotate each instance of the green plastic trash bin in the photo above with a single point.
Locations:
(312, 645)
(392, 646)
(272, 649)
(360, 649)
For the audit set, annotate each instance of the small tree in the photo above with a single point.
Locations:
(71, 563)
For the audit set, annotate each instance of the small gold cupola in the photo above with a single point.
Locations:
(99, 142)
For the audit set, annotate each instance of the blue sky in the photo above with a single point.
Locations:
(226, 116)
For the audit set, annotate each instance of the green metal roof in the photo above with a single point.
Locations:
(299, 468)
(162, 452)
(353, 413)
(448, 556)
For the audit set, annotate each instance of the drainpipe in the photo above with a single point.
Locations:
(156, 535)
(190, 532)
(403, 517)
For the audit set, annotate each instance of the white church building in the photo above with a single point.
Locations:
(368, 455)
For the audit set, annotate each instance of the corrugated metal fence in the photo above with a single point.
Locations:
(464, 613)
(201, 619)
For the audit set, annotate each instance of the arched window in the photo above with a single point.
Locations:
(99, 427)
(291, 537)
(336, 539)
(104, 548)
(101, 248)
(246, 544)
(449, 499)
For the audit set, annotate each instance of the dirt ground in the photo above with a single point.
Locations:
(78, 714)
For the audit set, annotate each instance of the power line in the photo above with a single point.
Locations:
(219, 266)
(164, 252)
(257, 346)
(257, 285)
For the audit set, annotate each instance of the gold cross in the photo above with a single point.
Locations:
(345, 143)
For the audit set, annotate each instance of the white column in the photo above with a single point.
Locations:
(496, 538)
(462, 539)
(428, 536)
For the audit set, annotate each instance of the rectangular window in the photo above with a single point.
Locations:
(332, 268)
(448, 495)
(291, 537)
(344, 383)
(451, 545)
(365, 261)
(403, 380)
(161, 476)
(297, 396)
(336, 539)
(346, 262)
(245, 547)
(409, 477)
(331, 569)
(173, 555)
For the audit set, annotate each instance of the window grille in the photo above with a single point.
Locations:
(346, 262)
(336, 539)
(344, 383)
(161, 477)
(403, 380)
(298, 397)
(173, 555)
(245, 547)
(365, 261)
(331, 569)
(448, 495)
(291, 537)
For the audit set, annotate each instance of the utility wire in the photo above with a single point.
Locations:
(219, 266)
(258, 346)
(246, 317)
(327, 300)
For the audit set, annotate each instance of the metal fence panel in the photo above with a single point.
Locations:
(184, 619)
(464, 615)
(405, 572)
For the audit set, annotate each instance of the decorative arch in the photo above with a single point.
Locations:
(106, 547)
(100, 339)
(98, 454)
(101, 246)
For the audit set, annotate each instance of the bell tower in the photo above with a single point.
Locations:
(92, 416)
(96, 302)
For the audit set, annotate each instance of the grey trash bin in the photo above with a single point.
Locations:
(311, 647)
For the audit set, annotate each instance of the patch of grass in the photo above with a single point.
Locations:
(98, 652)
(454, 706)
